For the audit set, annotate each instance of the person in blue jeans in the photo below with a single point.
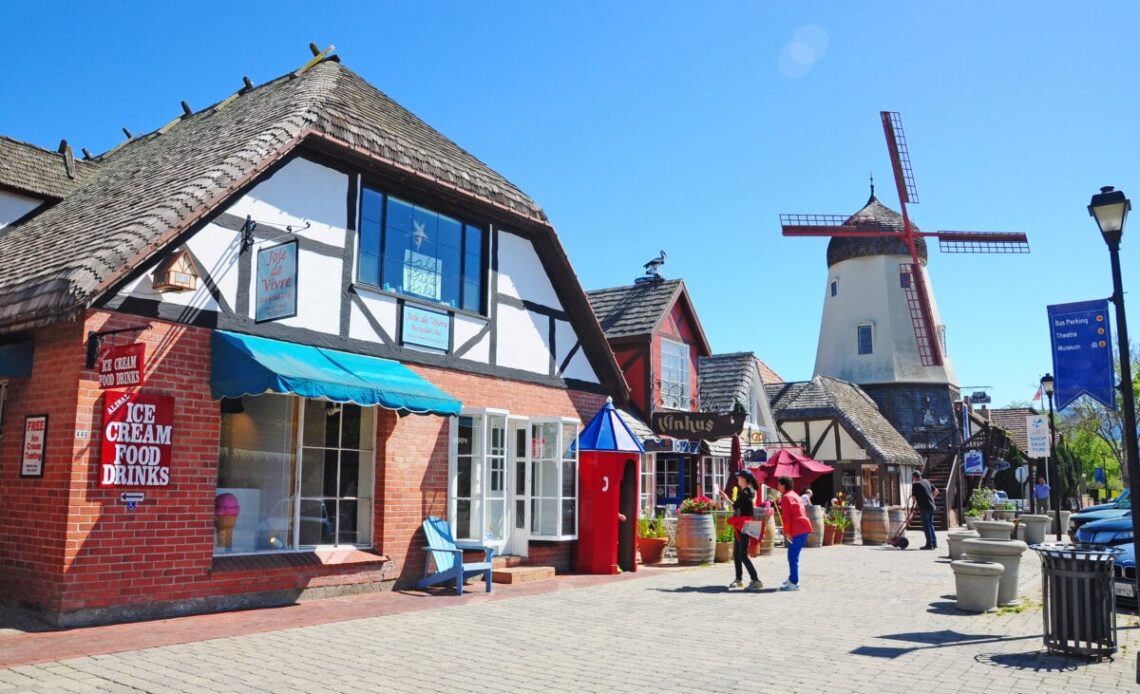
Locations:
(797, 528)
(924, 495)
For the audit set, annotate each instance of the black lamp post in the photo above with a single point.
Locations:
(1055, 481)
(1110, 208)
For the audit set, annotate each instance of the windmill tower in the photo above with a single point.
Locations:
(881, 328)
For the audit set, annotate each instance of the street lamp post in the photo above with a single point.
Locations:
(1047, 383)
(1110, 208)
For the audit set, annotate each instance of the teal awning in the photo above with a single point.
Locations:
(16, 359)
(248, 365)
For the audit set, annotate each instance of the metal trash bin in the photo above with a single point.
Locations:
(1079, 604)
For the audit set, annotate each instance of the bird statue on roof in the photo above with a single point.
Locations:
(652, 266)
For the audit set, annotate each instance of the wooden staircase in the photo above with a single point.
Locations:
(938, 473)
(512, 569)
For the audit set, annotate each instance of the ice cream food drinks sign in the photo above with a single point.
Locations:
(137, 431)
(120, 367)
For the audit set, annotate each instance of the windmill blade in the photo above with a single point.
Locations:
(981, 242)
(921, 315)
(827, 225)
(900, 156)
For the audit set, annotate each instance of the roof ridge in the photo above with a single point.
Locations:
(636, 285)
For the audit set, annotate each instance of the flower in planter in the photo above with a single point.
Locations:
(699, 504)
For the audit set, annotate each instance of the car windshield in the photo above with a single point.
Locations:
(1125, 500)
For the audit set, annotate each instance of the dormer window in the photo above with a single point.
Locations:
(176, 274)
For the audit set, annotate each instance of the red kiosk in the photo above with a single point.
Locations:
(608, 463)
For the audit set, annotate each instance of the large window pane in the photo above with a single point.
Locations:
(316, 522)
(569, 516)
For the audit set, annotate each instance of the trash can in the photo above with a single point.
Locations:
(1079, 604)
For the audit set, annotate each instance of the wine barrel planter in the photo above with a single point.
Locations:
(896, 519)
(696, 538)
(851, 534)
(768, 539)
(876, 525)
(815, 515)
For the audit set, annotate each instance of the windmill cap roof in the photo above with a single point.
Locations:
(873, 215)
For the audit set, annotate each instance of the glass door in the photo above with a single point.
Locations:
(495, 493)
(518, 485)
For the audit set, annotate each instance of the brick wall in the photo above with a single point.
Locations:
(73, 549)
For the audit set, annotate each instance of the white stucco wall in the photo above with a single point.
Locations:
(13, 206)
(521, 274)
(467, 327)
(383, 309)
(301, 191)
(869, 292)
(522, 339)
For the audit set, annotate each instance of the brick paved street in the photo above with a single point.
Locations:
(868, 620)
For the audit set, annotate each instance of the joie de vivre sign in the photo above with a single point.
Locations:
(276, 293)
(697, 425)
(122, 366)
(1037, 434)
(426, 328)
(1082, 352)
(137, 430)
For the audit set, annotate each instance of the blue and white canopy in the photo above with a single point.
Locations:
(607, 431)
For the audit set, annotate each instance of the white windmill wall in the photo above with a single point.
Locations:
(869, 292)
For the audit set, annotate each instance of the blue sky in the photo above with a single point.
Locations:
(690, 128)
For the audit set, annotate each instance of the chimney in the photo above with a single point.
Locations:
(68, 158)
(985, 412)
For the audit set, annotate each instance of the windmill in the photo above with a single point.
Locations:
(912, 278)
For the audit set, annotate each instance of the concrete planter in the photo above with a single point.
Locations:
(994, 530)
(1003, 515)
(954, 540)
(971, 521)
(1005, 552)
(977, 584)
(1064, 521)
(1036, 525)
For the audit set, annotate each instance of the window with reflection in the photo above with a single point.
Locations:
(413, 250)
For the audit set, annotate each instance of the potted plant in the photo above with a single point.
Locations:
(973, 515)
(981, 501)
(840, 522)
(696, 531)
(828, 532)
(651, 538)
(724, 538)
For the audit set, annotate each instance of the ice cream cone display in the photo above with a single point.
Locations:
(226, 510)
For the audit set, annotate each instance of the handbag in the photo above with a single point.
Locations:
(753, 529)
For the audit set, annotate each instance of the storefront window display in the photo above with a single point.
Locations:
(714, 472)
(300, 471)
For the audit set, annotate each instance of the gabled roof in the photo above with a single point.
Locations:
(39, 173)
(1012, 419)
(146, 192)
(824, 397)
(638, 309)
(767, 374)
(726, 379)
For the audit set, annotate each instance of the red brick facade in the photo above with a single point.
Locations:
(73, 549)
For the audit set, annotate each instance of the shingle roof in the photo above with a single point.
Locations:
(767, 374)
(1012, 419)
(873, 215)
(38, 172)
(725, 379)
(639, 428)
(634, 309)
(145, 193)
(824, 397)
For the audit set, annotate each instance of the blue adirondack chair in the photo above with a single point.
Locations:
(448, 556)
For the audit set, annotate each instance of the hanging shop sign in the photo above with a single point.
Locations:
(698, 425)
(276, 293)
(1082, 352)
(1037, 435)
(137, 431)
(426, 328)
(973, 463)
(122, 366)
(35, 443)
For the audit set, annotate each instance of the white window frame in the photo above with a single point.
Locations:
(714, 470)
(666, 385)
(480, 471)
(871, 329)
(535, 461)
(646, 475)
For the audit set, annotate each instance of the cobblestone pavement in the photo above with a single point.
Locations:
(867, 620)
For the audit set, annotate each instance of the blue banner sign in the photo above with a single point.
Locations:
(1082, 352)
(276, 293)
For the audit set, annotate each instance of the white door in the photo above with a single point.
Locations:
(497, 522)
(518, 491)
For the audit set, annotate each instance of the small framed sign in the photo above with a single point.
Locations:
(276, 292)
(35, 443)
(426, 328)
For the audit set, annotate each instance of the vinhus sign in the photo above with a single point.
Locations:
(697, 425)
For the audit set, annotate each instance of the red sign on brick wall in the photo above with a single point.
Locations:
(122, 366)
(137, 431)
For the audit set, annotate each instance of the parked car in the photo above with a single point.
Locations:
(1110, 531)
(1124, 576)
(1119, 508)
(1124, 498)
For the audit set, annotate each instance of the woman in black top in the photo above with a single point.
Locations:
(742, 507)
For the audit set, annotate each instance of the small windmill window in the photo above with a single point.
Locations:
(834, 287)
(176, 274)
(904, 280)
(865, 336)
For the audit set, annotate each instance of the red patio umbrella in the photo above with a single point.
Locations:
(791, 462)
(735, 464)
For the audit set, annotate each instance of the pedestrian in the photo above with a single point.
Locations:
(924, 495)
(796, 526)
(1041, 493)
(806, 497)
(742, 513)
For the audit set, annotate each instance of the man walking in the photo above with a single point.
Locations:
(1041, 493)
(924, 494)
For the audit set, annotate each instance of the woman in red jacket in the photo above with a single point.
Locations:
(797, 527)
